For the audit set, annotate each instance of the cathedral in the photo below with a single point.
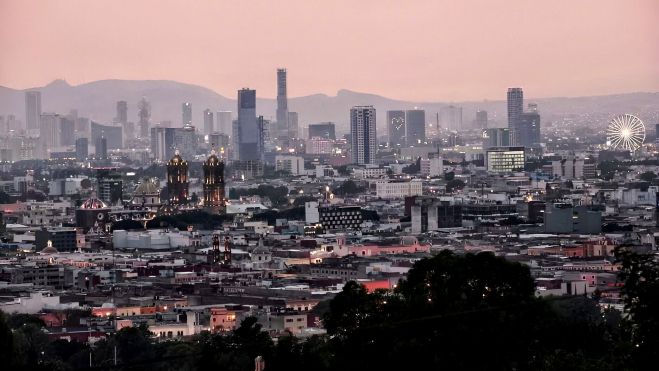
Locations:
(213, 185)
(177, 180)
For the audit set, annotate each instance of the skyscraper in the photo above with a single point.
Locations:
(293, 124)
(363, 135)
(282, 104)
(186, 113)
(67, 131)
(481, 120)
(177, 180)
(415, 127)
(515, 106)
(101, 148)
(82, 149)
(224, 122)
(32, 110)
(122, 112)
(185, 141)
(50, 125)
(162, 142)
(528, 129)
(247, 135)
(396, 128)
(209, 125)
(144, 114)
(452, 117)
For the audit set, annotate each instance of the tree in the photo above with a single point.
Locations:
(648, 176)
(454, 184)
(640, 274)
(86, 183)
(448, 176)
(5, 198)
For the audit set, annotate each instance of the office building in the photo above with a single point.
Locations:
(293, 124)
(363, 135)
(144, 117)
(429, 214)
(224, 122)
(415, 126)
(293, 165)
(325, 130)
(528, 129)
(499, 137)
(399, 189)
(505, 159)
(49, 131)
(62, 239)
(186, 141)
(162, 143)
(109, 186)
(113, 134)
(82, 149)
(186, 113)
(218, 141)
(101, 148)
(481, 120)
(67, 131)
(122, 112)
(340, 218)
(177, 180)
(282, 104)
(319, 146)
(451, 117)
(396, 128)
(564, 218)
(432, 167)
(32, 110)
(209, 124)
(213, 185)
(515, 106)
(248, 134)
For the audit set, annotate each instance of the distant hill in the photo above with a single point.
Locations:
(97, 100)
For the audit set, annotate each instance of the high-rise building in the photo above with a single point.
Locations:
(32, 110)
(209, 124)
(186, 113)
(113, 134)
(282, 104)
(528, 129)
(213, 185)
(144, 116)
(481, 120)
(325, 130)
(293, 124)
(499, 137)
(224, 122)
(177, 180)
(162, 143)
(67, 131)
(110, 186)
(186, 141)
(451, 117)
(49, 130)
(122, 112)
(101, 148)
(248, 135)
(415, 127)
(396, 128)
(515, 106)
(82, 149)
(363, 134)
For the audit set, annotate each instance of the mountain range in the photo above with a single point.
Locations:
(97, 100)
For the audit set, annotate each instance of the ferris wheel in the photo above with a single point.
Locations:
(625, 132)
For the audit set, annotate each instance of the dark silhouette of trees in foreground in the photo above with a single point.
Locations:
(453, 312)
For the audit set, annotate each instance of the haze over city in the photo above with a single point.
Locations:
(410, 50)
(329, 185)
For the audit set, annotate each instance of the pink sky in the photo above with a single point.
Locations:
(414, 49)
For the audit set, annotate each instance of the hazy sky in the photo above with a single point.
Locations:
(417, 50)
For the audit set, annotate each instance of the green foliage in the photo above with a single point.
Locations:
(127, 225)
(648, 176)
(5, 198)
(349, 188)
(454, 184)
(449, 176)
(200, 219)
(277, 195)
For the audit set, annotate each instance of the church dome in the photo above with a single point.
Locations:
(93, 203)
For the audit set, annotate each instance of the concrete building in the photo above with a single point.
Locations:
(396, 128)
(515, 106)
(399, 189)
(363, 135)
(415, 127)
(209, 123)
(113, 135)
(62, 239)
(429, 214)
(499, 137)
(432, 167)
(282, 105)
(247, 134)
(325, 130)
(564, 218)
(186, 113)
(32, 110)
(505, 159)
(224, 122)
(293, 165)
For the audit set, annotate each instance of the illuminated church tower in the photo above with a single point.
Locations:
(214, 182)
(177, 180)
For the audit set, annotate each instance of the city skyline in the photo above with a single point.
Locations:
(580, 56)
